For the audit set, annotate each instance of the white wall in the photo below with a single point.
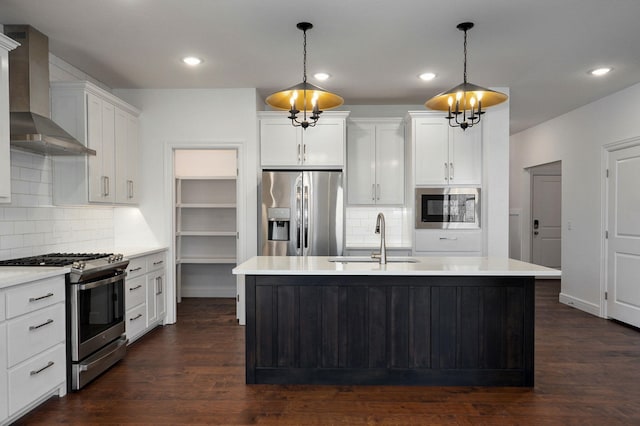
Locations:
(576, 139)
(189, 118)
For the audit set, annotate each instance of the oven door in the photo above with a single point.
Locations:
(97, 314)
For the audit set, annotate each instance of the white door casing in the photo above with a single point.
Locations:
(623, 242)
(546, 221)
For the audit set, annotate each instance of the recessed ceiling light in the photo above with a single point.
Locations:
(600, 71)
(322, 76)
(192, 60)
(427, 76)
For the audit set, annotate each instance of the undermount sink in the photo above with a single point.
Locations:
(365, 259)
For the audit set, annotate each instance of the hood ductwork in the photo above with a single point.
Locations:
(31, 128)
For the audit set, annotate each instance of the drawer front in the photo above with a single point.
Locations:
(36, 295)
(30, 334)
(155, 261)
(3, 315)
(36, 378)
(137, 267)
(135, 291)
(448, 241)
(136, 321)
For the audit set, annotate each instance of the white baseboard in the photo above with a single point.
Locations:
(580, 304)
(209, 292)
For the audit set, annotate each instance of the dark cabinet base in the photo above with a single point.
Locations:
(472, 331)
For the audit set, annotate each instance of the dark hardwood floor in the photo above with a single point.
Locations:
(587, 373)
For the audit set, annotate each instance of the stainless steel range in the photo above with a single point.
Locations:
(95, 310)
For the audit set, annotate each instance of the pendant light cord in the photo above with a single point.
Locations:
(464, 77)
(304, 55)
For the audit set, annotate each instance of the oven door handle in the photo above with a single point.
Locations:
(116, 353)
(99, 283)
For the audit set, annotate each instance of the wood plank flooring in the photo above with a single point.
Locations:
(587, 373)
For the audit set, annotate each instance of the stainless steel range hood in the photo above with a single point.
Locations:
(30, 126)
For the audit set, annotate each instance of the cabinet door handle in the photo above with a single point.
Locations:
(373, 192)
(135, 269)
(298, 153)
(35, 327)
(304, 152)
(446, 171)
(135, 288)
(449, 238)
(159, 262)
(158, 285)
(378, 191)
(34, 372)
(130, 188)
(136, 317)
(451, 171)
(105, 186)
(35, 299)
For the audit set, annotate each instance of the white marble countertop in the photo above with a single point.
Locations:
(425, 266)
(132, 252)
(13, 275)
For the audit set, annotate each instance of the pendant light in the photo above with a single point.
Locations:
(304, 97)
(466, 101)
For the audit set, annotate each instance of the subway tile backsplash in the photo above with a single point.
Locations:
(31, 225)
(361, 221)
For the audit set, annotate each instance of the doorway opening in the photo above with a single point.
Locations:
(206, 218)
(546, 215)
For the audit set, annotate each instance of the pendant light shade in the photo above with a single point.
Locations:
(304, 97)
(466, 101)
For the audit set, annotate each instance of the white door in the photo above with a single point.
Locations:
(431, 159)
(623, 244)
(465, 156)
(280, 143)
(389, 163)
(546, 221)
(323, 145)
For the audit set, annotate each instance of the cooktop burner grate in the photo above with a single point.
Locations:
(53, 259)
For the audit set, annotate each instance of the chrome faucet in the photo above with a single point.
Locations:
(383, 245)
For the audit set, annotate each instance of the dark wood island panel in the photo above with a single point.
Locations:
(396, 330)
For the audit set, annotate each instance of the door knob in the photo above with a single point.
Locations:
(535, 232)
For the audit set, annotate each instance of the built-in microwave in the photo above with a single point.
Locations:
(447, 208)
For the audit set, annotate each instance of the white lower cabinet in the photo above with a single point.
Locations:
(32, 336)
(145, 295)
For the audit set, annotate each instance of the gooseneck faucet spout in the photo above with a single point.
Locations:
(383, 245)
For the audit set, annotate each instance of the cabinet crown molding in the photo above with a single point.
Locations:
(88, 87)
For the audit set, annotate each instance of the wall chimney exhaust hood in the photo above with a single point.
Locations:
(31, 129)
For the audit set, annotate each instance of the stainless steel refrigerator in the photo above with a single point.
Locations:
(302, 213)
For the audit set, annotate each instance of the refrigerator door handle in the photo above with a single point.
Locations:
(305, 204)
(298, 217)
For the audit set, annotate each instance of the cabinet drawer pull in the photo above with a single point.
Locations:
(449, 238)
(159, 262)
(135, 269)
(136, 317)
(35, 299)
(34, 372)
(35, 327)
(136, 287)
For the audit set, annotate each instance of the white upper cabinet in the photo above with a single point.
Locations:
(282, 145)
(6, 44)
(375, 161)
(110, 127)
(444, 155)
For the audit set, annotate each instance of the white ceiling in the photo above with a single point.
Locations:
(374, 49)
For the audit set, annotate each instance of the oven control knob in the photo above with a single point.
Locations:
(119, 256)
(78, 265)
(112, 258)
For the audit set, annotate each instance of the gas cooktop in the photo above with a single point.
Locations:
(54, 259)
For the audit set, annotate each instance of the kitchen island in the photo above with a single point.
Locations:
(413, 321)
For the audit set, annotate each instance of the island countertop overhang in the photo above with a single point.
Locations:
(425, 266)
